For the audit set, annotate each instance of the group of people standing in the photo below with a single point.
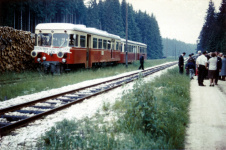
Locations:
(208, 65)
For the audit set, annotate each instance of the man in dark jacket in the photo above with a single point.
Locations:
(142, 62)
(219, 64)
(181, 63)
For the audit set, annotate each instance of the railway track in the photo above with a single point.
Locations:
(22, 114)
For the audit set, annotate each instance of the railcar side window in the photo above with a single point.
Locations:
(72, 40)
(76, 40)
(105, 44)
(100, 41)
(83, 41)
(60, 40)
(113, 45)
(109, 44)
(44, 39)
(120, 47)
(94, 42)
(117, 46)
(141, 50)
(129, 48)
(135, 49)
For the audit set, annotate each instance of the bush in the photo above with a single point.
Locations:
(151, 116)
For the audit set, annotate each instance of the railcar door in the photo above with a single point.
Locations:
(88, 65)
(112, 48)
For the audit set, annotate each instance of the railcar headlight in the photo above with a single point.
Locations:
(39, 59)
(64, 60)
(34, 53)
(43, 58)
(60, 54)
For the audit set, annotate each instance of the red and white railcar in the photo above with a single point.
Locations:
(58, 45)
(134, 51)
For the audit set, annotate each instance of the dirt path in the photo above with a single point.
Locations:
(207, 128)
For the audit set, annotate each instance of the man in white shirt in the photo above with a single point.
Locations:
(201, 63)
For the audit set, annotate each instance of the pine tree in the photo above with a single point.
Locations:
(207, 35)
(221, 22)
(93, 15)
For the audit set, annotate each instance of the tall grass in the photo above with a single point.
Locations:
(32, 82)
(152, 115)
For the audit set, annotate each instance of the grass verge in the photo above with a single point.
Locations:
(17, 84)
(152, 115)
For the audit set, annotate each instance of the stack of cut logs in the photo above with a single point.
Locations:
(15, 49)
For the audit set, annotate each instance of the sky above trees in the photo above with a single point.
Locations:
(177, 19)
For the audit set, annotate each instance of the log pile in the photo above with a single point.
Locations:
(15, 49)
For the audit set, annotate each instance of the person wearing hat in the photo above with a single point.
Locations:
(181, 63)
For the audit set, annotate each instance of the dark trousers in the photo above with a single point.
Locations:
(181, 69)
(141, 66)
(217, 76)
(202, 73)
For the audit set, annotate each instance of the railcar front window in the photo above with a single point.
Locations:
(44, 39)
(60, 40)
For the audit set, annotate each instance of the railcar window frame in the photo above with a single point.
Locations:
(76, 40)
(109, 44)
(100, 43)
(40, 39)
(82, 41)
(95, 43)
(72, 39)
(60, 40)
(104, 44)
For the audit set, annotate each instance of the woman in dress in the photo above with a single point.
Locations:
(212, 68)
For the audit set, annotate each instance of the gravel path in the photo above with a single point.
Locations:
(207, 129)
(26, 137)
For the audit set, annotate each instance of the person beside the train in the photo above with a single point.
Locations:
(190, 66)
(223, 68)
(222, 57)
(196, 68)
(181, 63)
(219, 64)
(201, 63)
(141, 62)
(212, 72)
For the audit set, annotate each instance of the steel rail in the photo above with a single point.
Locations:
(6, 129)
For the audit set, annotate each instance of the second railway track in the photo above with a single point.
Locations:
(22, 114)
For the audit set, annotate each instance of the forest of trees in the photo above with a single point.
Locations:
(213, 34)
(108, 15)
(173, 48)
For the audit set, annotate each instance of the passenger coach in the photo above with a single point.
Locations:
(59, 45)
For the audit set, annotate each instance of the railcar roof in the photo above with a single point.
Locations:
(76, 27)
(133, 42)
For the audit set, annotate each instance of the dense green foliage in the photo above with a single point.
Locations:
(173, 48)
(152, 115)
(107, 15)
(213, 34)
